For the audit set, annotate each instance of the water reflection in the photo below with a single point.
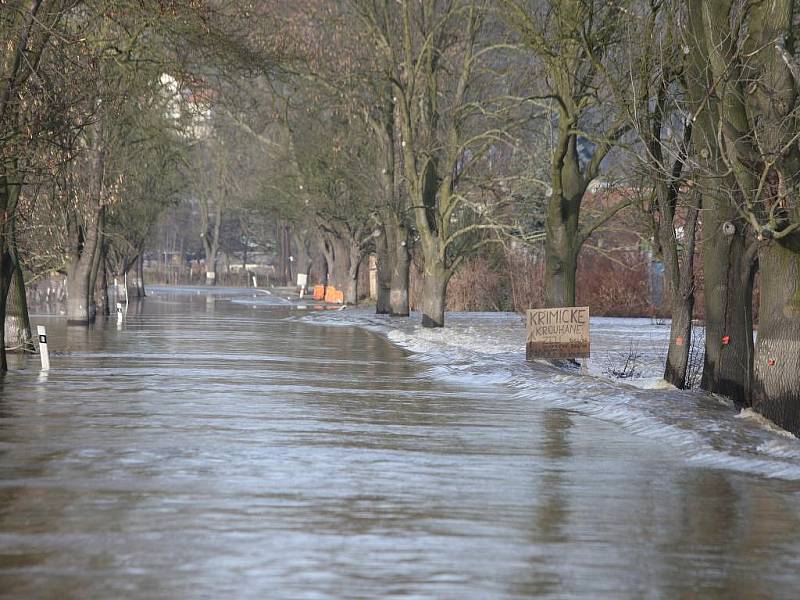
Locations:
(554, 508)
(212, 449)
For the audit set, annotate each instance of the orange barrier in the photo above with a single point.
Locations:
(333, 295)
(319, 292)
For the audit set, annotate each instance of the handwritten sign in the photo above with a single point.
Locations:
(558, 333)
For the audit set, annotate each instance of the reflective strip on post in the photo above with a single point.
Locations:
(44, 353)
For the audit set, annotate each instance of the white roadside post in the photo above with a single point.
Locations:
(255, 282)
(44, 353)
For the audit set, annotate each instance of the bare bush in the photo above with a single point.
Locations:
(624, 365)
(694, 368)
(526, 279)
(476, 287)
(613, 287)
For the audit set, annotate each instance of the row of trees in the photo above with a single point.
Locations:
(423, 131)
(91, 146)
(477, 119)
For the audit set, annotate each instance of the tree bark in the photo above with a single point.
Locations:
(563, 238)
(285, 256)
(681, 288)
(101, 289)
(135, 277)
(776, 368)
(81, 309)
(140, 276)
(338, 262)
(6, 274)
(680, 335)
(729, 312)
(79, 304)
(10, 186)
(434, 290)
(99, 298)
(384, 274)
(211, 241)
(354, 266)
(398, 243)
(394, 258)
(728, 360)
(561, 266)
(302, 241)
(18, 334)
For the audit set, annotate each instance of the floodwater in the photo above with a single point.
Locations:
(209, 449)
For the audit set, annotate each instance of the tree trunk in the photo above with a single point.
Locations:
(680, 277)
(18, 333)
(728, 285)
(561, 265)
(286, 253)
(338, 262)
(81, 309)
(384, 275)
(79, 304)
(211, 263)
(562, 233)
(776, 369)
(394, 259)
(303, 242)
(10, 186)
(729, 311)
(135, 280)
(101, 289)
(350, 290)
(394, 265)
(398, 241)
(98, 262)
(434, 291)
(680, 335)
(6, 275)
(211, 241)
(140, 276)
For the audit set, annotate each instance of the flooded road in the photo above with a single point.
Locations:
(209, 449)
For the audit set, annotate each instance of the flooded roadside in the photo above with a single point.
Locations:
(210, 448)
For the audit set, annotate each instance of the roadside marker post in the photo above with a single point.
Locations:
(44, 353)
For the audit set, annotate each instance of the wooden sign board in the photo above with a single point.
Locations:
(558, 333)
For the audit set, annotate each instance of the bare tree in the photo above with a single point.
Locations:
(574, 43)
(440, 60)
(657, 108)
(756, 83)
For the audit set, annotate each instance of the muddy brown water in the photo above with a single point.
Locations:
(212, 450)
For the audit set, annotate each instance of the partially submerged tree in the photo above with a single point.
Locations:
(574, 43)
(658, 112)
(756, 79)
(334, 162)
(30, 76)
(440, 60)
(728, 253)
